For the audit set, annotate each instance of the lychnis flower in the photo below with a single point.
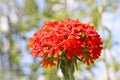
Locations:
(66, 39)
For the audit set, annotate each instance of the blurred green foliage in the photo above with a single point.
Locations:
(29, 17)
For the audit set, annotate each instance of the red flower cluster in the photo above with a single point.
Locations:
(68, 38)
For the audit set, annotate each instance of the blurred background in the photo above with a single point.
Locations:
(20, 19)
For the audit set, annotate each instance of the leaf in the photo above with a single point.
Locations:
(76, 64)
(30, 7)
(108, 43)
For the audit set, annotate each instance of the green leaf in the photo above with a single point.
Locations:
(76, 64)
(30, 7)
(108, 42)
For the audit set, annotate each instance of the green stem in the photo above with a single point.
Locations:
(67, 69)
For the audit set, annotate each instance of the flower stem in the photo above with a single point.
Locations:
(67, 69)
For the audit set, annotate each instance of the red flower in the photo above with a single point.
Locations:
(67, 38)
